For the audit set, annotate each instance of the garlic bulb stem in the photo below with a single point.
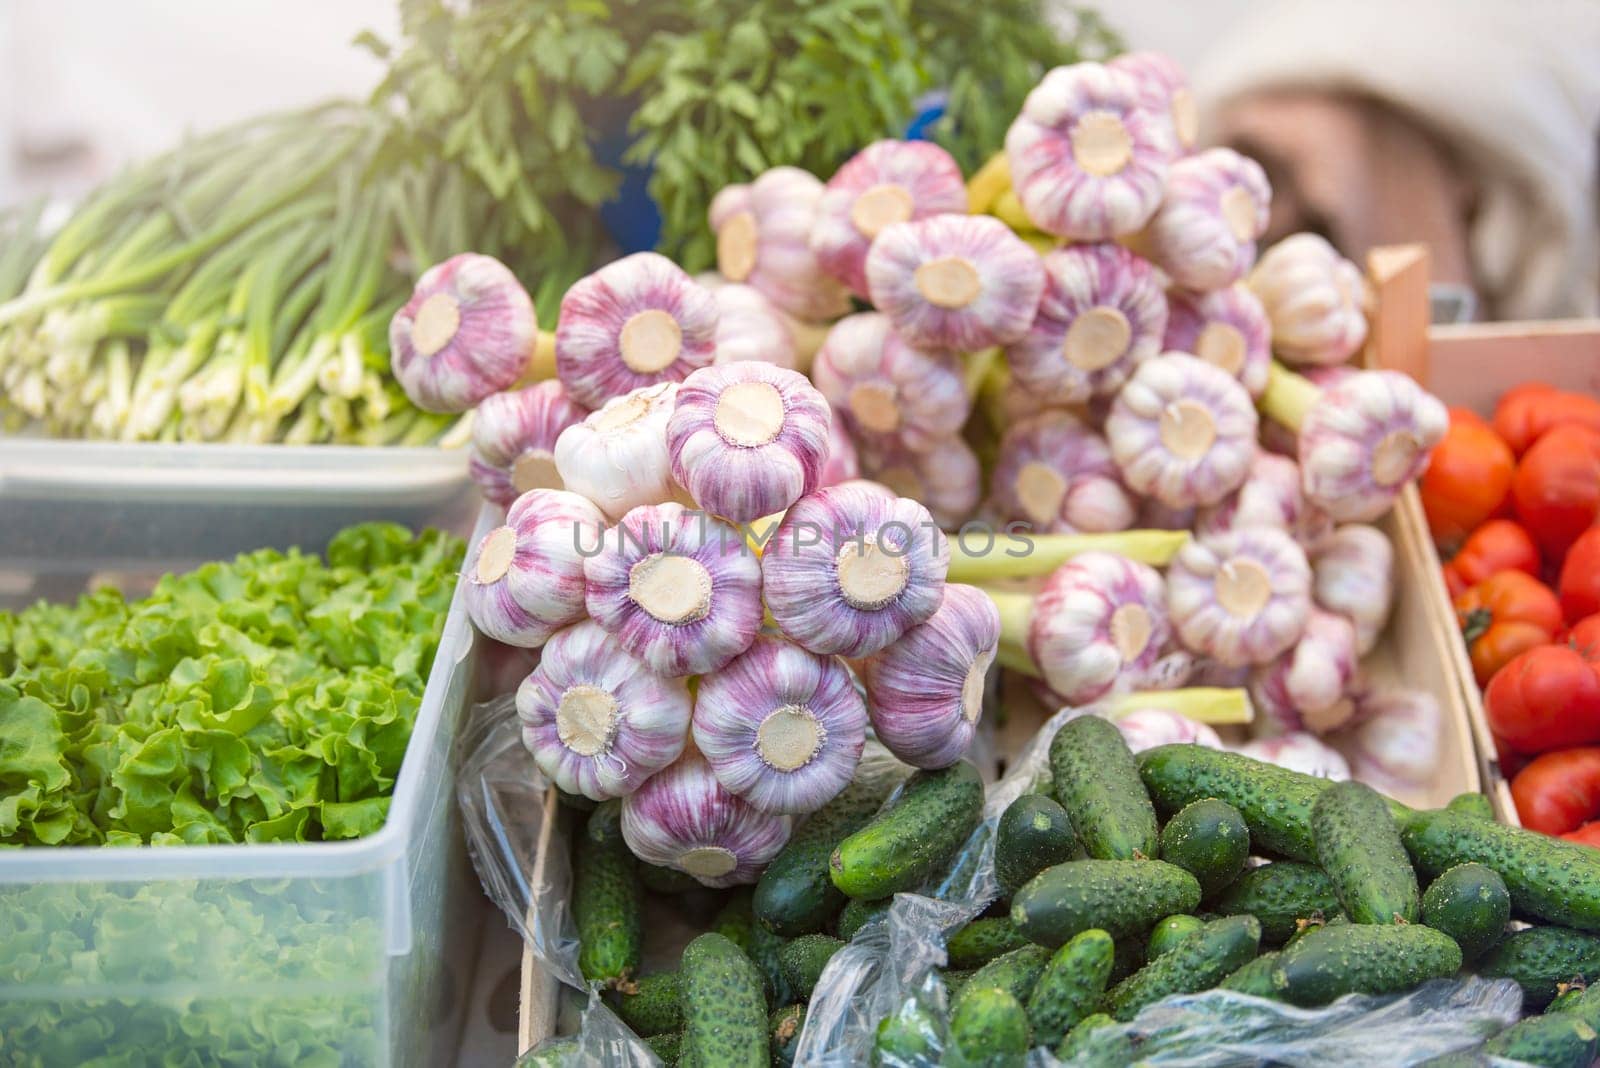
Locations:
(1289, 397)
(1203, 704)
(1031, 555)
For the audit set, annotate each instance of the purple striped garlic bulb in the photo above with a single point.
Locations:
(1164, 87)
(843, 464)
(1088, 155)
(524, 580)
(925, 691)
(850, 569)
(617, 457)
(885, 183)
(684, 819)
(598, 721)
(1058, 475)
(1315, 300)
(1299, 751)
(764, 240)
(1146, 728)
(885, 387)
(944, 477)
(961, 282)
(467, 332)
(514, 439)
(751, 327)
(1309, 687)
(634, 323)
(748, 439)
(1102, 314)
(782, 728)
(1241, 597)
(1215, 208)
(1367, 438)
(1270, 497)
(1226, 328)
(1182, 431)
(679, 589)
(1278, 437)
(1099, 626)
(1353, 576)
(1396, 745)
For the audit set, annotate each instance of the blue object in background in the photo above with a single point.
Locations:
(930, 109)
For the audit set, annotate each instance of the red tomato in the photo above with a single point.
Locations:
(1467, 479)
(1557, 488)
(1499, 545)
(1560, 791)
(1525, 414)
(1588, 834)
(1545, 698)
(1504, 615)
(1580, 577)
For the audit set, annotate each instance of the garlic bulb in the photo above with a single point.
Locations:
(885, 183)
(764, 240)
(842, 463)
(524, 580)
(1058, 475)
(885, 387)
(1315, 299)
(598, 721)
(1208, 672)
(850, 569)
(1275, 435)
(637, 322)
(1299, 751)
(684, 819)
(925, 692)
(1088, 155)
(1353, 576)
(467, 331)
(1270, 497)
(962, 282)
(1102, 314)
(1099, 626)
(750, 327)
(679, 589)
(781, 727)
(944, 477)
(1146, 728)
(1227, 328)
(1215, 207)
(1240, 597)
(1309, 686)
(1163, 87)
(514, 438)
(1396, 745)
(617, 457)
(1366, 439)
(748, 439)
(1182, 431)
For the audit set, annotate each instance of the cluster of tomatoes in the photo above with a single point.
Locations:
(1513, 503)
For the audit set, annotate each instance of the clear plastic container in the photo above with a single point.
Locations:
(328, 954)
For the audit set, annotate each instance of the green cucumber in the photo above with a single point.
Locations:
(1553, 880)
(1209, 840)
(651, 1005)
(1280, 895)
(725, 1013)
(766, 949)
(552, 1053)
(989, 1029)
(981, 941)
(1477, 805)
(668, 1047)
(1365, 959)
(803, 959)
(954, 979)
(910, 1035)
(1254, 977)
(1360, 849)
(1165, 935)
(855, 915)
(1121, 897)
(669, 882)
(1097, 782)
(1198, 963)
(576, 802)
(1070, 987)
(1034, 833)
(1128, 958)
(1582, 1002)
(784, 1027)
(1547, 1041)
(1092, 1045)
(794, 895)
(1540, 959)
(1471, 904)
(1016, 973)
(606, 900)
(734, 920)
(914, 838)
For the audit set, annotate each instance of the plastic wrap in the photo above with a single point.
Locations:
(602, 1041)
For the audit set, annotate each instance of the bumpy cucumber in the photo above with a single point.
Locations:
(1016, 973)
(1129, 957)
(1091, 1045)
(1555, 881)
(982, 940)
(1542, 958)
(652, 1005)
(1165, 935)
(855, 915)
(1360, 849)
(989, 1028)
(1254, 977)
(1363, 958)
(1275, 802)
(1471, 904)
(802, 960)
(915, 837)
(1097, 782)
(794, 895)
(1548, 1041)
(734, 920)
(1199, 962)
(1472, 805)
(606, 899)
(1121, 897)
(1070, 987)
(910, 1035)
(765, 949)
(725, 1013)
(784, 1028)
(1209, 840)
(954, 979)
(668, 1047)
(668, 881)
(1584, 1003)
(1280, 895)
(1034, 833)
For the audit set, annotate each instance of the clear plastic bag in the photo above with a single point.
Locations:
(602, 1041)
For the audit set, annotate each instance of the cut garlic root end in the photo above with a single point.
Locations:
(1222, 345)
(586, 719)
(650, 340)
(436, 324)
(789, 738)
(1239, 212)
(1243, 588)
(1101, 144)
(949, 282)
(708, 862)
(499, 549)
(880, 206)
(1187, 429)
(1097, 339)
(972, 689)
(1393, 457)
(749, 414)
(1131, 627)
(1185, 117)
(736, 246)
(1040, 489)
(535, 469)
(672, 589)
(869, 576)
(875, 407)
